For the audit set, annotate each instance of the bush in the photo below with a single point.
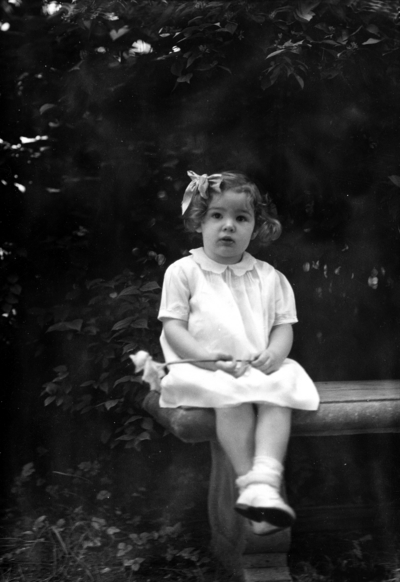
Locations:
(80, 540)
(100, 324)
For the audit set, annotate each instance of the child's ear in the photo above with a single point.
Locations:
(199, 229)
(255, 233)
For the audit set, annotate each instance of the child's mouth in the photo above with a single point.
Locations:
(226, 239)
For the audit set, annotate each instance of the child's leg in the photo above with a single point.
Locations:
(235, 431)
(236, 434)
(272, 431)
(260, 498)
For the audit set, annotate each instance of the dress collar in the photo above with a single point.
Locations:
(246, 264)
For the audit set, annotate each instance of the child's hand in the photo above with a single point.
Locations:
(267, 362)
(229, 365)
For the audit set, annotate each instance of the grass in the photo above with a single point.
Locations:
(343, 557)
(77, 533)
(83, 547)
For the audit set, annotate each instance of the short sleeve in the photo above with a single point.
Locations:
(285, 305)
(175, 294)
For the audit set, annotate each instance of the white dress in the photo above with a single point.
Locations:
(230, 308)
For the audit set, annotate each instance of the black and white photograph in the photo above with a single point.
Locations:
(200, 291)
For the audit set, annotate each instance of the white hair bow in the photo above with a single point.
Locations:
(200, 184)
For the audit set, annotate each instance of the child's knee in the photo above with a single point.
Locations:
(241, 411)
(274, 410)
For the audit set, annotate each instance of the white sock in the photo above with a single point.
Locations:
(263, 463)
(265, 471)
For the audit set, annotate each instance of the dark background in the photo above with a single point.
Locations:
(96, 190)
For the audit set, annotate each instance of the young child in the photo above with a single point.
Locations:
(222, 304)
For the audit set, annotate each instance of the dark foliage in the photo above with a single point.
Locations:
(108, 104)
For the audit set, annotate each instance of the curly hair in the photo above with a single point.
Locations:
(267, 227)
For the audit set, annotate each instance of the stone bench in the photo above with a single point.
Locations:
(347, 408)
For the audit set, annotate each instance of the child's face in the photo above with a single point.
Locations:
(228, 227)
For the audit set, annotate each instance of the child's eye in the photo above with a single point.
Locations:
(242, 218)
(216, 215)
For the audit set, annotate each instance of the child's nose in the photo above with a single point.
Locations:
(229, 224)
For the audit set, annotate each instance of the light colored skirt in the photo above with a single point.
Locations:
(191, 386)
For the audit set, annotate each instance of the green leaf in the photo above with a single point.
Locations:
(110, 404)
(372, 41)
(133, 418)
(190, 29)
(150, 286)
(395, 180)
(98, 522)
(129, 347)
(191, 59)
(86, 409)
(373, 29)
(94, 283)
(230, 27)
(46, 107)
(140, 324)
(123, 323)
(147, 423)
(257, 18)
(27, 470)
(67, 325)
(275, 53)
(91, 330)
(194, 19)
(304, 11)
(49, 400)
(122, 380)
(61, 369)
(330, 74)
(114, 34)
(144, 436)
(299, 80)
(132, 290)
(39, 522)
(184, 78)
(332, 42)
(51, 388)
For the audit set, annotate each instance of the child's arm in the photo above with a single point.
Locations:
(279, 346)
(185, 345)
